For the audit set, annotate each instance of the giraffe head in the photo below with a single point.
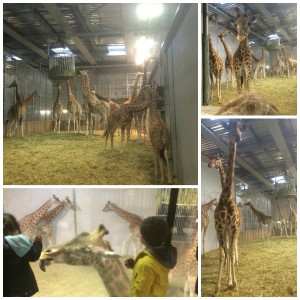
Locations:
(108, 207)
(235, 129)
(84, 249)
(248, 203)
(215, 161)
(222, 36)
(67, 202)
(36, 95)
(243, 24)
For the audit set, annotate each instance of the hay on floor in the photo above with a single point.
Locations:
(267, 268)
(280, 91)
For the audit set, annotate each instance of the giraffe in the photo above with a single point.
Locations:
(57, 109)
(28, 224)
(262, 219)
(74, 109)
(89, 249)
(205, 220)
(159, 137)
(134, 221)
(94, 105)
(282, 219)
(216, 68)
(291, 63)
(122, 117)
(293, 220)
(44, 225)
(17, 112)
(279, 67)
(242, 57)
(187, 265)
(261, 64)
(226, 214)
(229, 66)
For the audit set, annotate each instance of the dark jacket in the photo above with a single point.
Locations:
(18, 277)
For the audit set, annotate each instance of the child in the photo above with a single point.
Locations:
(151, 266)
(18, 251)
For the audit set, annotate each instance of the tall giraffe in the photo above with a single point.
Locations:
(242, 56)
(282, 219)
(279, 67)
(293, 220)
(17, 112)
(74, 109)
(58, 108)
(229, 65)
(205, 220)
(226, 213)
(216, 68)
(97, 253)
(134, 221)
(28, 224)
(261, 64)
(262, 219)
(44, 225)
(94, 105)
(159, 137)
(291, 63)
(187, 265)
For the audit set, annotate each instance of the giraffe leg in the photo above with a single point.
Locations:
(221, 262)
(203, 240)
(161, 167)
(168, 160)
(22, 129)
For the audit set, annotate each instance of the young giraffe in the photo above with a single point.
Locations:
(282, 219)
(262, 219)
(293, 220)
(94, 105)
(159, 137)
(205, 220)
(242, 57)
(28, 224)
(216, 68)
(134, 224)
(44, 225)
(229, 66)
(74, 109)
(89, 249)
(216, 162)
(261, 64)
(226, 213)
(57, 109)
(17, 113)
(291, 63)
(187, 265)
(279, 67)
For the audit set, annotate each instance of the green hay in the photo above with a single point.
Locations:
(65, 159)
(282, 92)
(267, 268)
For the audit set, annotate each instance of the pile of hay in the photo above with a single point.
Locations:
(280, 91)
(267, 268)
(66, 159)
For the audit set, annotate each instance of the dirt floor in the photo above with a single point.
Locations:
(64, 159)
(280, 91)
(267, 268)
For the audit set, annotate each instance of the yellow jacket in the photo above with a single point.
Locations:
(150, 277)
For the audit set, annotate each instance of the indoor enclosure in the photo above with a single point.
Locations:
(261, 174)
(74, 73)
(249, 48)
(77, 210)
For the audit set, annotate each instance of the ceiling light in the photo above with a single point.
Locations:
(62, 51)
(116, 49)
(273, 36)
(147, 11)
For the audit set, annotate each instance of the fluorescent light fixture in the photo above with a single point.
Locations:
(273, 36)
(62, 51)
(16, 57)
(146, 11)
(13, 57)
(278, 179)
(45, 112)
(117, 49)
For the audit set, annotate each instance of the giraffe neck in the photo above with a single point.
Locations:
(27, 101)
(259, 214)
(85, 86)
(222, 175)
(212, 51)
(131, 108)
(54, 212)
(228, 53)
(127, 216)
(58, 94)
(146, 63)
(70, 95)
(205, 207)
(135, 88)
(19, 101)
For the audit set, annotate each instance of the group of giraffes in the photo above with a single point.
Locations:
(239, 64)
(228, 215)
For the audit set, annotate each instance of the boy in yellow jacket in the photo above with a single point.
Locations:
(152, 265)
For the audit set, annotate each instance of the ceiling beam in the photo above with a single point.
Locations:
(278, 137)
(25, 42)
(60, 18)
(215, 140)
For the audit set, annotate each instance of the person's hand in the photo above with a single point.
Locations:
(129, 263)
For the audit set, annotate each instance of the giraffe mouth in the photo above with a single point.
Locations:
(240, 38)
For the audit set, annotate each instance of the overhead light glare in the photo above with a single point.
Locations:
(143, 48)
(273, 36)
(116, 50)
(146, 11)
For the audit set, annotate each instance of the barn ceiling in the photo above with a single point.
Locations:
(279, 18)
(268, 149)
(31, 30)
